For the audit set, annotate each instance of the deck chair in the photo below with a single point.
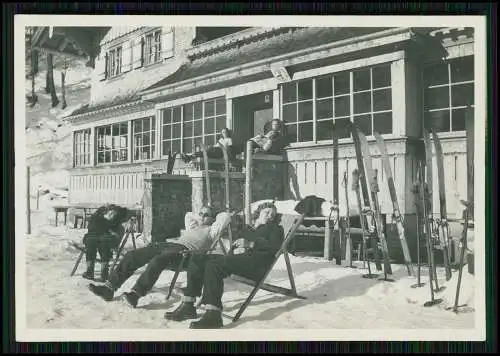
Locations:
(130, 232)
(188, 254)
(290, 225)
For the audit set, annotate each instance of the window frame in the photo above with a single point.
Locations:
(84, 142)
(119, 149)
(449, 85)
(114, 62)
(154, 42)
(314, 99)
(152, 138)
(204, 118)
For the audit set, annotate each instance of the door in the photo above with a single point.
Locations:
(260, 118)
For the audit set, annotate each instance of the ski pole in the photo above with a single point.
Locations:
(430, 258)
(415, 191)
(462, 257)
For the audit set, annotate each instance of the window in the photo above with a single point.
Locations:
(185, 127)
(114, 62)
(152, 48)
(363, 96)
(448, 94)
(81, 149)
(144, 138)
(112, 143)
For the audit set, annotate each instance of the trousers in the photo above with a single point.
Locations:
(206, 274)
(157, 257)
(102, 244)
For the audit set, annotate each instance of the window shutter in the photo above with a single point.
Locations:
(101, 67)
(126, 57)
(167, 43)
(137, 54)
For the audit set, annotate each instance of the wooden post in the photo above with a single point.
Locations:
(469, 132)
(335, 198)
(38, 198)
(28, 209)
(248, 183)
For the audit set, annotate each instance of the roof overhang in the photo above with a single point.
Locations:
(393, 36)
(112, 109)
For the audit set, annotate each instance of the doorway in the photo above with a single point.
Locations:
(250, 114)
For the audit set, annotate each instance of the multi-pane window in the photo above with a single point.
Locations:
(448, 94)
(363, 96)
(171, 130)
(144, 138)
(82, 147)
(112, 143)
(152, 48)
(114, 62)
(185, 127)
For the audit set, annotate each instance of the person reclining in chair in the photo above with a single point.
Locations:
(105, 231)
(199, 235)
(253, 252)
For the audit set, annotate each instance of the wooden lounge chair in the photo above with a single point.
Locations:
(186, 256)
(290, 225)
(130, 232)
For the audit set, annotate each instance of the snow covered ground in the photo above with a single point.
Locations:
(337, 297)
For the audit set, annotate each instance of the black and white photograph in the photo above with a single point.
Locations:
(178, 176)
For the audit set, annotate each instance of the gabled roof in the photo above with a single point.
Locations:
(294, 39)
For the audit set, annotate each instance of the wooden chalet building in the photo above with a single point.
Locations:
(157, 90)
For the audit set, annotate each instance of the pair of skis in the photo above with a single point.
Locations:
(372, 208)
(421, 192)
(440, 225)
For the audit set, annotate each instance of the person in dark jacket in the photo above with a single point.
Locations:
(200, 234)
(253, 252)
(105, 231)
(273, 141)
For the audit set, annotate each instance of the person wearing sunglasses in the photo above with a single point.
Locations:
(201, 230)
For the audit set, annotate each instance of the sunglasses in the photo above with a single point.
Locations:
(204, 214)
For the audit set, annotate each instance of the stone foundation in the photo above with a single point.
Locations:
(167, 198)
